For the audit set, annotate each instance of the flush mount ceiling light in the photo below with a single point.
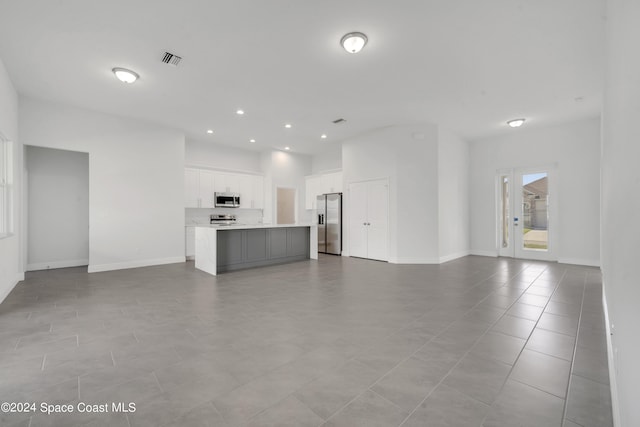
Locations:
(323, 136)
(240, 112)
(252, 141)
(124, 75)
(287, 148)
(515, 123)
(288, 126)
(210, 131)
(353, 42)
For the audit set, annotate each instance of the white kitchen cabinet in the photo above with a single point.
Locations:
(226, 182)
(332, 183)
(321, 184)
(258, 192)
(245, 184)
(369, 220)
(207, 199)
(191, 188)
(313, 186)
(190, 242)
(198, 188)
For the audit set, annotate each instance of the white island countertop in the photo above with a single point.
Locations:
(206, 241)
(253, 226)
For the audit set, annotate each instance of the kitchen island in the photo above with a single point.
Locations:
(236, 247)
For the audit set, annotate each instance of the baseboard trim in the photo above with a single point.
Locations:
(134, 264)
(451, 257)
(492, 254)
(5, 293)
(578, 261)
(57, 264)
(414, 260)
(613, 383)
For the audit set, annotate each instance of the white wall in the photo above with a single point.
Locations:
(288, 170)
(411, 165)
(216, 156)
(453, 190)
(57, 189)
(621, 204)
(11, 270)
(136, 174)
(416, 187)
(329, 160)
(575, 149)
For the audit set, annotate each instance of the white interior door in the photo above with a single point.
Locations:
(527, 207)
(358, 220)
(378, 220)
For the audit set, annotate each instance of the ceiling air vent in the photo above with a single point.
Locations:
(171, 59)
(338, 121)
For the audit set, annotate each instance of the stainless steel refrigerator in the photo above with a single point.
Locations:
(329, 209)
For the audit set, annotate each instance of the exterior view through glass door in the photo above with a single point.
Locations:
(525, 212)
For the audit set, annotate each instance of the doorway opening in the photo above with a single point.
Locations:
(57, 208)
(286, 205)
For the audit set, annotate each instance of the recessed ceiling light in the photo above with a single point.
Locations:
(124, 75)
(515, 123)
(240, 112)
(210, 131)
(353, 42)
(287, 148)
(288, 126)
(252, 141)
(323, 136)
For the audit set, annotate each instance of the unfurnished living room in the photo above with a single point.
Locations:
(337, 213)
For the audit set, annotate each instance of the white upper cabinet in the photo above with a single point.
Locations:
(207, 189)
(258, 192)
(200, 186)
(226, 182)
(191, 188)
(321, 184)
(245, 183)
(332, 182)
(313, 185)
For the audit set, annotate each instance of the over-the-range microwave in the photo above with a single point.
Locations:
(227, 200)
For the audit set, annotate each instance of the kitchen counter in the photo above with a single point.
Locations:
(222, 248)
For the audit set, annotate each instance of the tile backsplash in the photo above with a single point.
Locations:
(243, 216)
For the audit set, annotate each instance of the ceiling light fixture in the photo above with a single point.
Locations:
(288, 126)
(515, 123)
(323, 136)
(287, 148)
(353, 42)
(124, 75)
(240, 112)
(210, 131)
(252, 141)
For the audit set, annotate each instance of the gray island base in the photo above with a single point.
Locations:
(221, 249)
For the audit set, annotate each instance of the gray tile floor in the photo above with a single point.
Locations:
(338, 342)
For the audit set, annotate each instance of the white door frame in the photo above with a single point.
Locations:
(515, 247)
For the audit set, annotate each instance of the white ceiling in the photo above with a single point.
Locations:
(467, 65)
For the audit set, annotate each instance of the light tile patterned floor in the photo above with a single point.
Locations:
(338, 342)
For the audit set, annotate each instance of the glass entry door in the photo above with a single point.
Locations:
(526, 208)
